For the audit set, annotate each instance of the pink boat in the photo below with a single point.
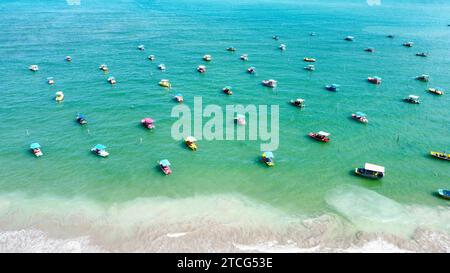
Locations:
(148, 123)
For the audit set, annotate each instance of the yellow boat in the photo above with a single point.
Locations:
(165, 83)
(59, 96)
(190, 143)
(439, 155)
(267, 158)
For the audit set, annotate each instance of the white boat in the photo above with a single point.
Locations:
(207, 58)
(361, 117)
(282, 47)
(103, 67)
(141, 47)
(408, 44)
(298, 102)
(251, 70)
(100, 150)
(151, 57)
(349, 38)
(244, 57)
(270, 83)
(201, 68)
(240, 119)
(34, 67)
(162, 67)
(112, 80)
(68, 58)
(50, 80)
(412, 99)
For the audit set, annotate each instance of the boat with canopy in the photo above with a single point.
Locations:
(371, 171)
(267, 158)
(36, 149)
(165, 166)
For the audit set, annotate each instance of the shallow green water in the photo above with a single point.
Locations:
(399, 135)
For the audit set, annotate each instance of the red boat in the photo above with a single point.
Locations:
(165, 166)
(320, 136)
(148, 123)
(227, 90)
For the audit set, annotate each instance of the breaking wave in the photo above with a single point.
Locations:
(362, 221)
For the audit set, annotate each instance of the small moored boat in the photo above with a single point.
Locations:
(100, 150)
(231, 49)
(371, 171)
(68, 58)
(161, 67)
(440, 155)
(36, 149)
(59, 96)
(165, 83)
(276, 37)
(320, 136)
(390, 36)
(34, 67)
(282, 47)
(437, 91)
(201, 69)
(141, 47)
(227, 90)
(178, 98)
(349, 38)
(421, 54)
(81, 119)
(148, 123)
(103, 67)
(165, 166)
(190, 142)
(50, 80)
(444, 193)
(374, 80)
(361, 117)
(423, 78)
(244, 57)
(408, 44)
(332, 87)
(412, 99)
(111, 80)
(207, 58)
(240, 119)
(270, 83)
(310, 60)
(251, 70)
(298, 102)
(151, 57)
(267, 158)
(370, 49)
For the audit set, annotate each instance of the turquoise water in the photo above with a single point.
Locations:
(399, 135)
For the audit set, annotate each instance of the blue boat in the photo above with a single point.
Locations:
(100, 150)
(444, 193)
(81, 119)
